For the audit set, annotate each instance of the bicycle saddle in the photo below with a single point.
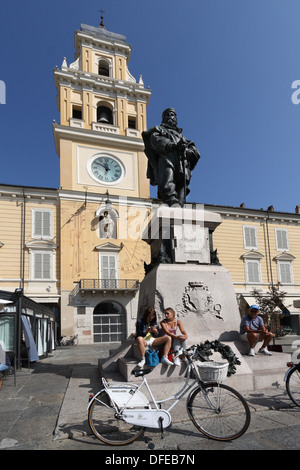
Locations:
(140, 372)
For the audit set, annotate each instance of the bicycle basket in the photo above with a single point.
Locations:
(213, 371)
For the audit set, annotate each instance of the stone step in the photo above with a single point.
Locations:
(254, 373)
(161, 372)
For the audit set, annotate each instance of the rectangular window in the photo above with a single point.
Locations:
(282, 243)
(131, 123)
(42, 223)
(253, 271)
(108, 267)
(77, 112)
(250, 238)
(42, 265)
(109, 270)
(285, 272)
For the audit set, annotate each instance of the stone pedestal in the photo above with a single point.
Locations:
(182, 276)
(202, 297)
(181, 235)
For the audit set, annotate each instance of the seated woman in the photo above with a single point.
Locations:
(147, 335)
(169, 326)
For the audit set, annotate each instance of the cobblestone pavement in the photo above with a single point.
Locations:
(47, 411)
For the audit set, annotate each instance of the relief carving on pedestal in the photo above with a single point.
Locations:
(197, 299)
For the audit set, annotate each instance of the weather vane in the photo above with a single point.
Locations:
(101, 11)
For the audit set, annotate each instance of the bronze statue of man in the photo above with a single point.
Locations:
(171, 159)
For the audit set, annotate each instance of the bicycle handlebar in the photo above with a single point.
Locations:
(186, 352)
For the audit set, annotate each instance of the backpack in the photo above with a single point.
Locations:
(152, 358)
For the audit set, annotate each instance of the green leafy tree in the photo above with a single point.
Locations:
(271, 305)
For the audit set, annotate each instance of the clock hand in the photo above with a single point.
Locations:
(101, 164)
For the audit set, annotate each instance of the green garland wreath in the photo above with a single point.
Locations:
(204, 350)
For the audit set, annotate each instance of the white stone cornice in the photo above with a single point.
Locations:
(41, 244)
(68, 77)
(255, 214)
(99, 198)
(252, 255)
(284, 257)
(32, 193)
(108, 246)
(97, 137)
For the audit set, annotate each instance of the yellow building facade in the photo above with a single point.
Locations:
(261, 249)
(30, 242)
(78, 248)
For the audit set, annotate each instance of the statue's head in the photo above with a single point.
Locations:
(169, 117)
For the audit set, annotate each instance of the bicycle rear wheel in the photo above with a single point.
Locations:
(107, 423)
(293, 385)
(219, 412)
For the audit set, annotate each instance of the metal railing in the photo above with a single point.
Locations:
(108, 284)
(103, 284)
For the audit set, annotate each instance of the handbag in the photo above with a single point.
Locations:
(151, 357)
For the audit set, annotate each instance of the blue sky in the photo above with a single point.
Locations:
(227, 66)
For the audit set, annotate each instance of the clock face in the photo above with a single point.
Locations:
(106, 169)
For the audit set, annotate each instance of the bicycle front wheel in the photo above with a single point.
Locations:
(219, 411)
(293, 385)
(107, 423)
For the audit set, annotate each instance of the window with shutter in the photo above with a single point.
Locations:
(42, 223)
(253, 271)
(282, 243)
(38, 223)
(104, 267)
(46, 224)
(285, 272)
(108, 266)
(38, 266)
(250, 238)
(108, 269)
(42, 264)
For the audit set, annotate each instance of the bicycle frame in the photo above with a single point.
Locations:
(226, 416)
(177, 396)
(182, 392)
(130, 403)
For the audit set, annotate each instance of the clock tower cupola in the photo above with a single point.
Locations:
(102, 115)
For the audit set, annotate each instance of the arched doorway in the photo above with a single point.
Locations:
(109, 320)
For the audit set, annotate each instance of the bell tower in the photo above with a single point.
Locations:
(104, 190)
(102, 115)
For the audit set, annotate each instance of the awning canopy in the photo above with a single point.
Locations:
(292, 304)
(250, 300)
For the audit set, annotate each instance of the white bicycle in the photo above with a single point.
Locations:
(119, 413)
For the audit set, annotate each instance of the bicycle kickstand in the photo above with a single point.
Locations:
(160, 419)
